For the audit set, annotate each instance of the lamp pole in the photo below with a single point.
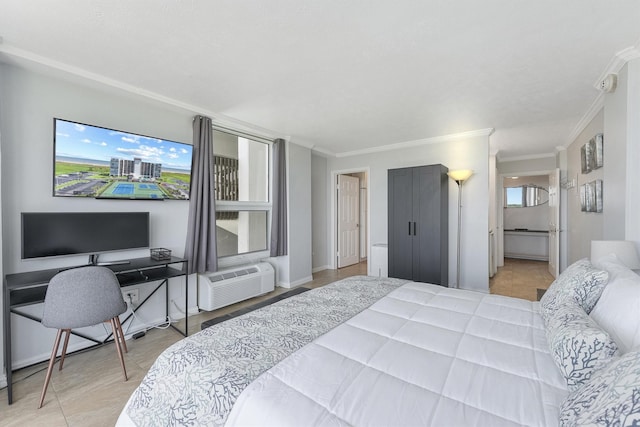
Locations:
(459, 176)
(459, 231)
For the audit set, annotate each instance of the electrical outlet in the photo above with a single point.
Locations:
(130, 295)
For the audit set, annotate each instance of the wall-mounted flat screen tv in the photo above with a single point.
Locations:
(97, 162)
(46, 234)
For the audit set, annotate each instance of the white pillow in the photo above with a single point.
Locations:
(618, 309)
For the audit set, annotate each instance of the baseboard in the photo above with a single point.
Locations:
(296, 283)
(321, 268)
(43, 357)
(178, 312)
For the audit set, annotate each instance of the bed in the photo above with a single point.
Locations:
(378, 351)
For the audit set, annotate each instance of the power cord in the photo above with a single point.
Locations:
(178, 307)
(131, 306)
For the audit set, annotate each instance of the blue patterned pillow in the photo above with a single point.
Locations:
(578, 345)
(580, 282)
(610, 398)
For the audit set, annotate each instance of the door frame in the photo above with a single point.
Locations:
(333, 191)
(500, 216)
(352, 200)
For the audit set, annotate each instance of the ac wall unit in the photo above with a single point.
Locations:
(226, 287)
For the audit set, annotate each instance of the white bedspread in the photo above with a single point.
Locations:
(196, 381)
(423, 355)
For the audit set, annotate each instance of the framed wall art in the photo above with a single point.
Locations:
(591, 199)
(598, 151)
(592, 154)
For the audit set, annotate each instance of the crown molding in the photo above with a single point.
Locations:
(594, 109)
(301, 142)
(419, 142)
(323, 152)
(31, 60)
(526, 157)
(618, 61)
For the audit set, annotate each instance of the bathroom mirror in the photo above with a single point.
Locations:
(525, 196)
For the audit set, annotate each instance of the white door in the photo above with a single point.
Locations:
(554, 223)
(348, 220)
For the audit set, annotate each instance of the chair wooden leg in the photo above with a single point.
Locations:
(121, 334)
(64, 347)
(52, 361)
(118, 347)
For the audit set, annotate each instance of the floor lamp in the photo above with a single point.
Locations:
(459, 176)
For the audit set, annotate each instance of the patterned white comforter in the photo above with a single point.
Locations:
(197, 380)
(423, 355)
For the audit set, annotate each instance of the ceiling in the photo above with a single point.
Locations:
(345, 76)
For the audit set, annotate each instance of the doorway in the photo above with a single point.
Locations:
(529, 218)
(350, 218)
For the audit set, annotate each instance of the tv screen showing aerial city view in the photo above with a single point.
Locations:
(92, 161)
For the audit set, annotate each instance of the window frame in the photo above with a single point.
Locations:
(237, 205)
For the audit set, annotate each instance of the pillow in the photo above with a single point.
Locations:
(618, 309)
(611, 397)
(580, 282)
(578, 345)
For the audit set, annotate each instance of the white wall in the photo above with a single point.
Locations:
(619, 120)
(3, 378)
(585, 226)
(632, 194)
(295, 268)
(319, 203)
(614, 170)
(472, 153)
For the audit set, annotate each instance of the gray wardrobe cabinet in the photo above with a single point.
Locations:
(418, 241)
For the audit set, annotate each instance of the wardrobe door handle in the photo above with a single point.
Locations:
(415, 228)
(409, 228)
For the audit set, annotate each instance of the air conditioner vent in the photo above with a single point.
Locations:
(230, 286)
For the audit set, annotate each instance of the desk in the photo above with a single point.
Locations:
(22, 289)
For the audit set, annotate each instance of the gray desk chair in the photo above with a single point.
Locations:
(80, 297)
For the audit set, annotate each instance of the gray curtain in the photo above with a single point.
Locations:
(279, 206)
(200, 248)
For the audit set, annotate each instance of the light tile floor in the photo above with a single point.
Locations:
(521, 278)
(89, 391)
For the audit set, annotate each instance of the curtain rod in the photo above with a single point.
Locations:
(241, 133)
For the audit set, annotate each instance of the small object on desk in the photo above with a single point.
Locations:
(160, 254)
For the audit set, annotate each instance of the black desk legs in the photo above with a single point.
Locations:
(186, 300)
(6, 321)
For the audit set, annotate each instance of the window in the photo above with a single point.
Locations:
(241, 232)
(243, 205)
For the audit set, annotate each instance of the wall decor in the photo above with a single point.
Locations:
(591, 154)
(583, 197)
(598, 151)
(599, 202)
(583, 159)
(591, 196)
